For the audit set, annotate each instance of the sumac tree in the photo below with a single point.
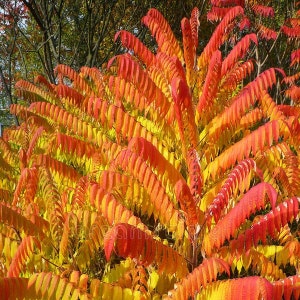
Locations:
(165, 176)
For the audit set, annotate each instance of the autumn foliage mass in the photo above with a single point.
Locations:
(170, 174)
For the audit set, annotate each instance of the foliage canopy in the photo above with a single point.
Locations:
(170, 174)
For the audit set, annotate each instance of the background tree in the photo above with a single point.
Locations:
(12, 17)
